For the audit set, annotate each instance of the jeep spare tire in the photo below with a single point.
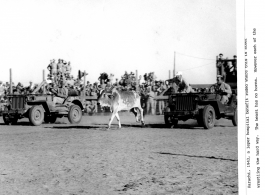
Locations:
(208, 117)
(36, 115)
(234, 118)
(75, 114)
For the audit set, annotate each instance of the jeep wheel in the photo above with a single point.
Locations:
(36, 115)
(75, 114)
(208, 117)
(234, 118)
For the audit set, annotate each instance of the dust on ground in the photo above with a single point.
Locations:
(86, 159)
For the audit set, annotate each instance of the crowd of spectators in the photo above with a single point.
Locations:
(148, 89)
(227, 68)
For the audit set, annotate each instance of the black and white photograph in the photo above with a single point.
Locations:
(139, 97)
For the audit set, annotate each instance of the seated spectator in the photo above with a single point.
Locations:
(224, 89)
(94, 106)
(116, 83)
(88, 107)
(15, 91)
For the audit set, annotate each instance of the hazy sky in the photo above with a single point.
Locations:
(116, 35)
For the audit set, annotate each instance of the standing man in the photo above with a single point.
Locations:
(230, 72)
(220, 64)
(54, 68)
(49, 67)
(68, 70)
(2, 90)
(60, 66)
(161, 103)
(235, 62)
(153, 88)
(150, 101)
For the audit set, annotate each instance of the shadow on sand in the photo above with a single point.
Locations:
(62, 125)
(194, 156)
(115, 126)
(23, 123)
(76, 127)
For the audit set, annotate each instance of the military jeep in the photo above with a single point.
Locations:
(39, 108)
(206, 108)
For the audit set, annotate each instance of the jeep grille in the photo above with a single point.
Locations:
(184, 103)
(17, 102)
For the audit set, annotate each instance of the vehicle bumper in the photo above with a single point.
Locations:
(181, 113)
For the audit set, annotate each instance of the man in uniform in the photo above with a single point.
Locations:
(2, 90)
(235, 62)
(230, 72)
(94, 106)
(68, 69)
(150, 104)
(220, 64)
(49, 67)
(161, 103)
(60, 66)
(224, 89)
(60, 93)
(182, 85)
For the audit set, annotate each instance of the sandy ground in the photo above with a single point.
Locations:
(86, 159)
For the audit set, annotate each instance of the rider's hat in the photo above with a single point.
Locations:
(178, 73)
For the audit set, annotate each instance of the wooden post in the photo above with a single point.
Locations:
(43, 75)
(10, 80)
(216, 65)
(84, 90)
(43, 79)
(174, 70)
